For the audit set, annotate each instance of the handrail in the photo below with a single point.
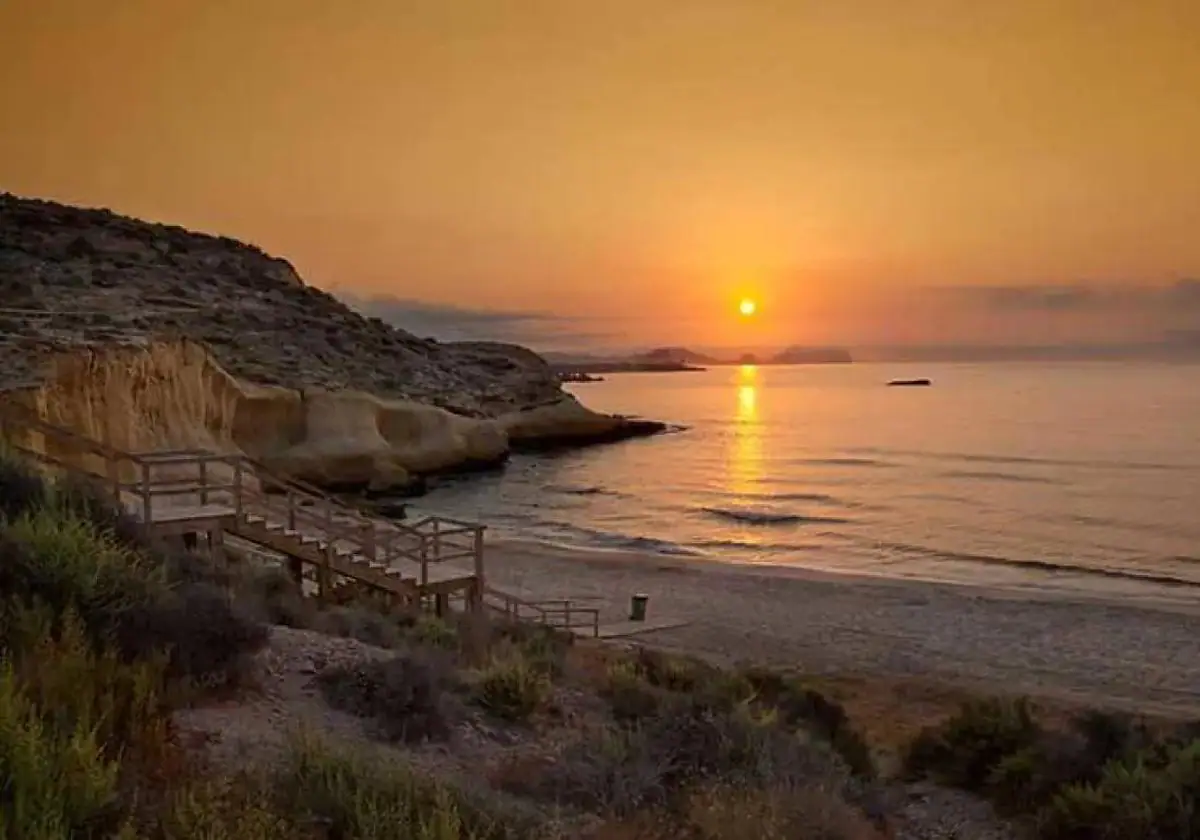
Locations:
(565, 608)
(334, 524)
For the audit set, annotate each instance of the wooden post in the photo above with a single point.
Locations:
(368, 542)
(147, 508)
(237, 488)
(478, 558)
(203, 466)
(424, 562)
(291, 510)
(324, 571)
(567, 614)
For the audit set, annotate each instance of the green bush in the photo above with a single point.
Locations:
(404, 696)
(630, 697)
(544, 647)
(1153, 795)
(431, 631)
(800, 705)
(224, 809)
(353, 796)
(966, 750)
(207, 636)
(58, 784)
(63, 562)
(72, 723)
(686, 744)
(511, 688)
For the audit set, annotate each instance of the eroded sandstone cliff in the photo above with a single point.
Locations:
(151, 336)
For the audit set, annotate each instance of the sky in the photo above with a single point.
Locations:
(579, 174)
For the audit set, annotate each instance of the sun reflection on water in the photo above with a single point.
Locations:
(745, 456)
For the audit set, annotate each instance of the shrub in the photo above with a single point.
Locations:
(621, 770)
(966, 750)
(58, 783)
(673, 673)
(206, 635)
(1152, 795)
(433, 631)
(72, 723)
(799, 704)
(224, 809)
(365, 625)
(63, 562)
(89, 500)
(630, 697)
(725, 813)
(402, 695)
(544, 647)
(81, 689)
(512, 689)
(379, 799)
(22, 488)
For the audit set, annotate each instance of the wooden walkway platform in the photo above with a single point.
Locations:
(202, 494)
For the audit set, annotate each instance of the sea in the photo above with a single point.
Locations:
(1030, 475)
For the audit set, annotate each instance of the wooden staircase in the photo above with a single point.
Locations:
(197, 493)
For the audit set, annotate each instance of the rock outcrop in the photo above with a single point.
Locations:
(149, 335)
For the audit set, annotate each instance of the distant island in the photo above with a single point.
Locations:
(683, 359)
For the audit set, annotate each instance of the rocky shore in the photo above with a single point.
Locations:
(202, 340)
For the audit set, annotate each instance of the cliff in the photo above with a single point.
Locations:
(150, 335)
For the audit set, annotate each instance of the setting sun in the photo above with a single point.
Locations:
(747, 307)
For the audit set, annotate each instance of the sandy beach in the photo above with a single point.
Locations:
(1132, 646)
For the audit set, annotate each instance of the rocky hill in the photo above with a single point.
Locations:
(75, 280)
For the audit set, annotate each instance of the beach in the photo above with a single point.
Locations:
(1133, 648)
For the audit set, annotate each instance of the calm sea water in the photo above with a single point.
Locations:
(1012, 474)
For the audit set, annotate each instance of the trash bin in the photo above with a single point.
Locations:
(637, 608)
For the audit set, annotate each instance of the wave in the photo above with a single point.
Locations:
(766, 517)
(843, 462)
(573, 490)
(987, 475)
(978, 458)
(745, 545)
(628, 542)
(1051, 566)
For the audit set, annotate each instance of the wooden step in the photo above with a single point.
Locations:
(254, 519)
(274, 527)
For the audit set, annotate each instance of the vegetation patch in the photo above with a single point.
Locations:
(1100, 777)
(403, 695)
(512, 688)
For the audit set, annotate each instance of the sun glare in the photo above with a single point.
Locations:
(747, 307)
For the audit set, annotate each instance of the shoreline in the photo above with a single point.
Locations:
(1114, 650)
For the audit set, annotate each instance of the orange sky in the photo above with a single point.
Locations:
(635, 166)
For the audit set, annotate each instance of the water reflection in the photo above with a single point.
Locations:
(745, 456)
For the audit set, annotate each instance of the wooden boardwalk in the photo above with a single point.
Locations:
(199, 494)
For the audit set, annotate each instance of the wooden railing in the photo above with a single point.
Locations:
(252, 489)
(565, 614)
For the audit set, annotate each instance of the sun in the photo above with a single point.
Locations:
(747, 307)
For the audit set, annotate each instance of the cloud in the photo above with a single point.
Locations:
(447, 322)
(1083, 298)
